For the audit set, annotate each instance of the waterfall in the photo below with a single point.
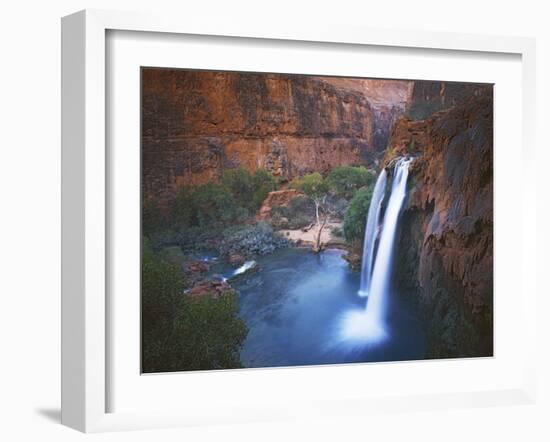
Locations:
(382, 269)
(371, 232)
(369, 324)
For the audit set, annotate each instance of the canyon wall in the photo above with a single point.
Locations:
(389, 100)
(445, 250)
(194, 124)
(428, 97)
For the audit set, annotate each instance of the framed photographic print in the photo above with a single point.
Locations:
(250, 214)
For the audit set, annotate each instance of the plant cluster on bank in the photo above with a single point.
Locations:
(182, 332)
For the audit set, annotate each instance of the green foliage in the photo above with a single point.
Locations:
(180, 332)
(345, 180)
(162, 286)
(249, 190)
(214, 204)
(208, 206)
(263, 178)
(240, 183)
(183, 207)
(153, 217)
(356, 214)
(313, 185)
(211, 333)
(337, 232)
(297, 214)
(211, 204)
(264, 183)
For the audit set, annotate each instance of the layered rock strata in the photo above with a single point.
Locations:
(195, 124)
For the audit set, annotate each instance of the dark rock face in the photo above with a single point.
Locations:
(407, 137)
(385, 118)
(429, 97)
(445, 250)
(196, 123)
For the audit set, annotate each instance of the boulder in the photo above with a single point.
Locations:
(215, 288)
(354, 259)
(196, 266)
(276, 198)
(236, 259)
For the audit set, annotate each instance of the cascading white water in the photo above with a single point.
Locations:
(369, 325)
(383, 264)
(371, 232)
(246, 266)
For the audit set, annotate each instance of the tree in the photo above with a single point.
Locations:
(356, 215)
(215, 205)
(315, 187)
(345, 180)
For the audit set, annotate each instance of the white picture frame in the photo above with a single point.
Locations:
(85, 200)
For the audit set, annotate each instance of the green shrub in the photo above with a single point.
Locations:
(180, 332)
(209, 206)
(190, 239)
(183, 207)
(215, 205)
(264, 183)
(299, 213)
(240, 183)
(315, 187)
(249, 190)
(153, 217)
(209, 332)
(345, 180)
(301, 205)
(162, 287)
(356, 215)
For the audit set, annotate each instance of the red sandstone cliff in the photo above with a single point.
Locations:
(445, 252)
(389, 99)
(196, 123)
